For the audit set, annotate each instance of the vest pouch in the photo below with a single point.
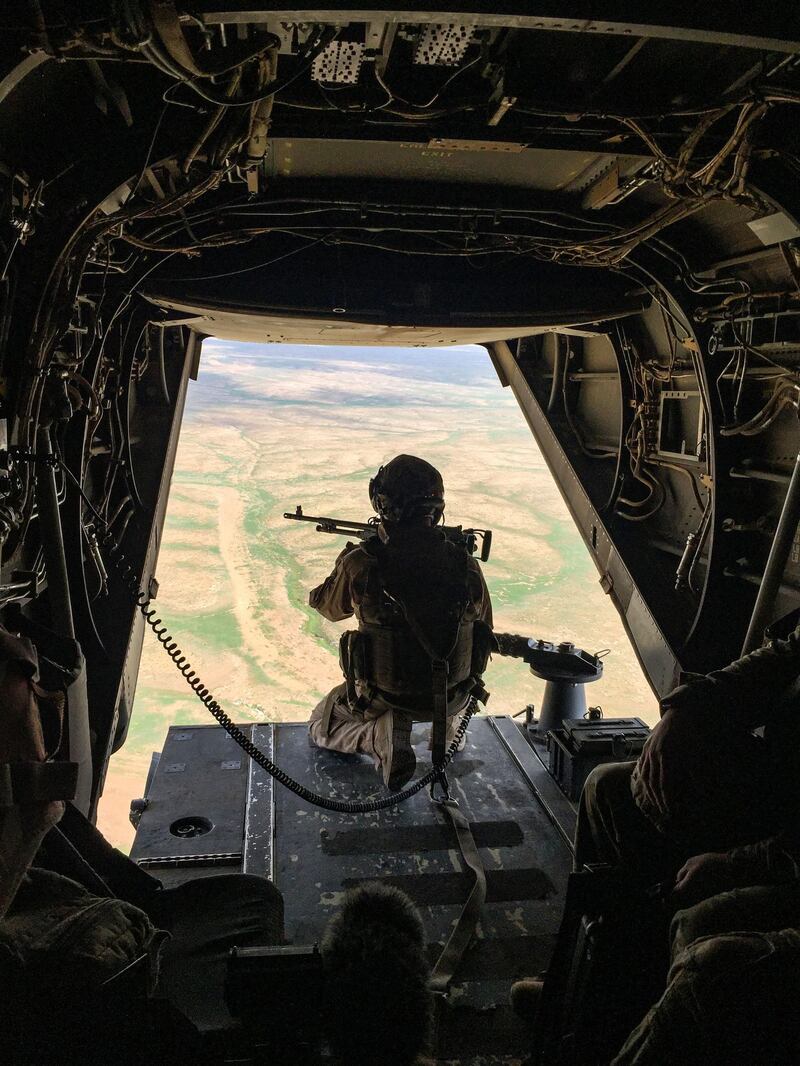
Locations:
(459, 661)
(344, 653)
(353, 661)
(482, 642)
(394, 662)
(347, 661)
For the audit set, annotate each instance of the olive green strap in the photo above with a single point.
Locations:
(464, 929)
(439, 672)
(36, 782)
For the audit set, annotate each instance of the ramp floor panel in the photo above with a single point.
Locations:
(319, 854)
(210, 810)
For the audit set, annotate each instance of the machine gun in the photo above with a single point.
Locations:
(469, 538)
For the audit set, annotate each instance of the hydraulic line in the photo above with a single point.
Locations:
(561, 354)
(162, 368)
(151, 47)
(776, 562)
(53, 538)
(77, 718)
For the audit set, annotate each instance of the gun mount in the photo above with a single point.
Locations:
(565, 668)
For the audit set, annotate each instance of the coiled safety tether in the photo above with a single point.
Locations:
(206, 697)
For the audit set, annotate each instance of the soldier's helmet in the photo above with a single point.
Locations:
(407, 489)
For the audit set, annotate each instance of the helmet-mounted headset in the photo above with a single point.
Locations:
(407, 488)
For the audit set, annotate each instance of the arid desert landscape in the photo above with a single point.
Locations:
(268, 427)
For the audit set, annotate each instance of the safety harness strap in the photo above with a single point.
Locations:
(36, 782)
(440, 671)
(464, 929)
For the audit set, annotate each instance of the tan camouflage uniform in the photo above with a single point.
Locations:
(734, 983)
(731, 788)
(347, 592)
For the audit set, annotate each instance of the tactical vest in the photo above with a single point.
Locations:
(424, 592)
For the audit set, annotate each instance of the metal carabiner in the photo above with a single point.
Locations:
(441, 779)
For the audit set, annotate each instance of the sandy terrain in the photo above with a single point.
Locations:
(268, 428)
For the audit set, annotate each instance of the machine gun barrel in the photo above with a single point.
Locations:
(342, 526)
(364, 530)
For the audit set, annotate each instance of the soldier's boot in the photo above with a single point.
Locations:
(392, 740)
(525, 996)
(452, 728)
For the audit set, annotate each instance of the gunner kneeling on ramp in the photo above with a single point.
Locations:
(424, 627)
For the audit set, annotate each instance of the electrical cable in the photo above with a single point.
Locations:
(590, 453)
(628, 272)
(439, 91)
(642, 378)
(162, 367)
(741, 374)
(58, 297)
(156, 239)
(146, 163)
(305, 62)
(702, 534)
(785, 395)
(211, 124)
(681, 470)
(393, 207)
(755, 351)
(256, 266)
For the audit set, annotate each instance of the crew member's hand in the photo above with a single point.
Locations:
(703, 876)
(664, 769)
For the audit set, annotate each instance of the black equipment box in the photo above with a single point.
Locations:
(582, 744)
(259, 977)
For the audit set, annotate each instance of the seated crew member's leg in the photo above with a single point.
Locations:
(711, 926)
(611, 828)
(380, 732)
(205, 918)
(760, 908)
(730, 999)
(717, 812)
